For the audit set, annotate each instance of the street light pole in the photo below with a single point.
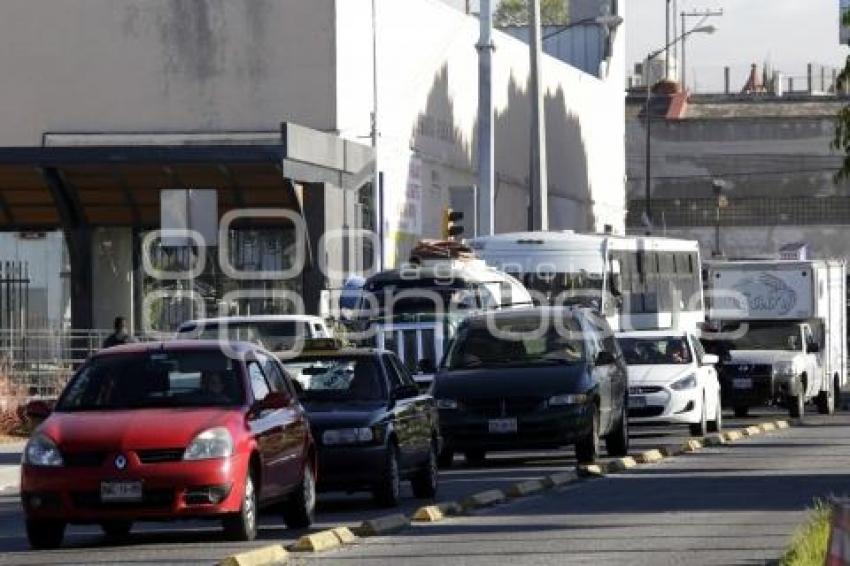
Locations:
(538, 167)
(486, 169)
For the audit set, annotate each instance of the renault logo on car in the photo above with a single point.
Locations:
(120, 462)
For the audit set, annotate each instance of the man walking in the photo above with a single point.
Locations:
(120, 335)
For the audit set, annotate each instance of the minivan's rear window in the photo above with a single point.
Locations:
(205, 378)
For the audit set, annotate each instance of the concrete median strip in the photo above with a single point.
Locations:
(324, 540)
(385, 525)
(692, 445)
(752, 431)
(561, 478)
(590, 470)
(483, 499)
(650, 456)
(732, 435)
(264, 556)
(767, 427)
(782, 425)
(620, 465)
(523, 489)
(714, 440)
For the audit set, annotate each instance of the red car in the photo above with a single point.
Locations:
(174, 430)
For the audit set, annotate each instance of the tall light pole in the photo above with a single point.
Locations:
(486, 168)
(648, 120)
(377, 196)
(539, 190)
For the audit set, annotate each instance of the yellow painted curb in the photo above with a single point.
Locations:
(522, 489)
(428, 514)
(383, 525)
(714, 440)
(590, 470)
(767, 427)
(621, 464)
(733, 435)
(264, 556)
(752, 430)
(317, 542)
(559, 479)
(345, 535)
(692, 445)
(650, 456)
(782, 424)
(483, 499)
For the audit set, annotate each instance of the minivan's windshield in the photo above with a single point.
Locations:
(517, 342)
(342, 378)
(205, 378)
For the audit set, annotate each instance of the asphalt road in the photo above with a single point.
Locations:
(664, 503)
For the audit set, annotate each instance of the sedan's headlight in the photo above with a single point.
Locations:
(449, 404)
(41, 451)
(687, 382)
(569, 399)
(783, 368)
(341, 436)
(210, 444)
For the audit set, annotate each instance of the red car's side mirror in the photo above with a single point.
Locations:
(276, 400)
(37, 411)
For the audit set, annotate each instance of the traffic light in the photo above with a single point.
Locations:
(451, 223)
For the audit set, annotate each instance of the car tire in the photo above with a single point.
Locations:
(617, 441)
(387, 491)
(741, 411)
(587, 448)
(700, 428)
(446, 458)
(716, 425)
(426, 480)
(116, 529)
(44, 535)
(796, 406)
(475, 457)
(826, 401)
(300, 509)
(242, 526)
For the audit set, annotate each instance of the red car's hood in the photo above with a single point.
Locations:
(135, 429)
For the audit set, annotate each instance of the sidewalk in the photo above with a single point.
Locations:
(10, 469)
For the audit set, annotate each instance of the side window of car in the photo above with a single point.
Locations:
(393, 376)
(259, 385)
(402, 371)
(275, 376)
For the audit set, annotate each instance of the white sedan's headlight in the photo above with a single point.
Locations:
(569, 399)
(783, 368)
(339, 436)
(41, 451)
(687, 382)
(210, 444)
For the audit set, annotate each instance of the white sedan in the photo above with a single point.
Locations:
(672, 380)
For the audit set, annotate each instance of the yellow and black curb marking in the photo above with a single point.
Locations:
(322, 541)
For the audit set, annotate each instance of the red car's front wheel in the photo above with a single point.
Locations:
(242, 526)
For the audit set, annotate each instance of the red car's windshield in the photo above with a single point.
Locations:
(155, 379)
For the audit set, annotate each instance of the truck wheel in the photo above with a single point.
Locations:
(741, 411)
(796, 406)
(826, 401)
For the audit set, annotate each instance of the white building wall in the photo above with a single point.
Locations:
(46, 263)
(428, 102)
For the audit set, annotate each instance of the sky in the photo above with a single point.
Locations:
(787, 34)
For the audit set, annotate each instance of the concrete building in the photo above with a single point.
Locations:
(774, 159)
(109, 102)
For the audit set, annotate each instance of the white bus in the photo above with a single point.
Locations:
(637, 282)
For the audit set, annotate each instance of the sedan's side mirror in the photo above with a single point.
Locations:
(37, 411)
(274, 401)
(710, 360)
(605, 358)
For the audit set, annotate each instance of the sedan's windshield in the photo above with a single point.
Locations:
(656, 351)
(517, 343)
(344, 378)
(154, 379)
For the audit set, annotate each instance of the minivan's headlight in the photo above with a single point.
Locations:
(687, 382)
(41, 451)
(783, 368)
(570, 399)
(339, 436)
(449, 404)
(210, 444)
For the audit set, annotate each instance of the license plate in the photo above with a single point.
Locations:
(637, 402)
(742, 383)
(114, 491)
(502, 426)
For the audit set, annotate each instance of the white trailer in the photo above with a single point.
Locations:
(781, 330)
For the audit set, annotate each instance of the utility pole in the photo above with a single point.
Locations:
(486, 169)
(704, 14)
(538, 174)
(667, 39)
(377, 200)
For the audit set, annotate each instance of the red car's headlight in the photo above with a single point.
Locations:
(42, 451)
(210, 444)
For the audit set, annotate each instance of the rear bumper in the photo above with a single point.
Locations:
(545, 428)
(765, 389)
(169, 491)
